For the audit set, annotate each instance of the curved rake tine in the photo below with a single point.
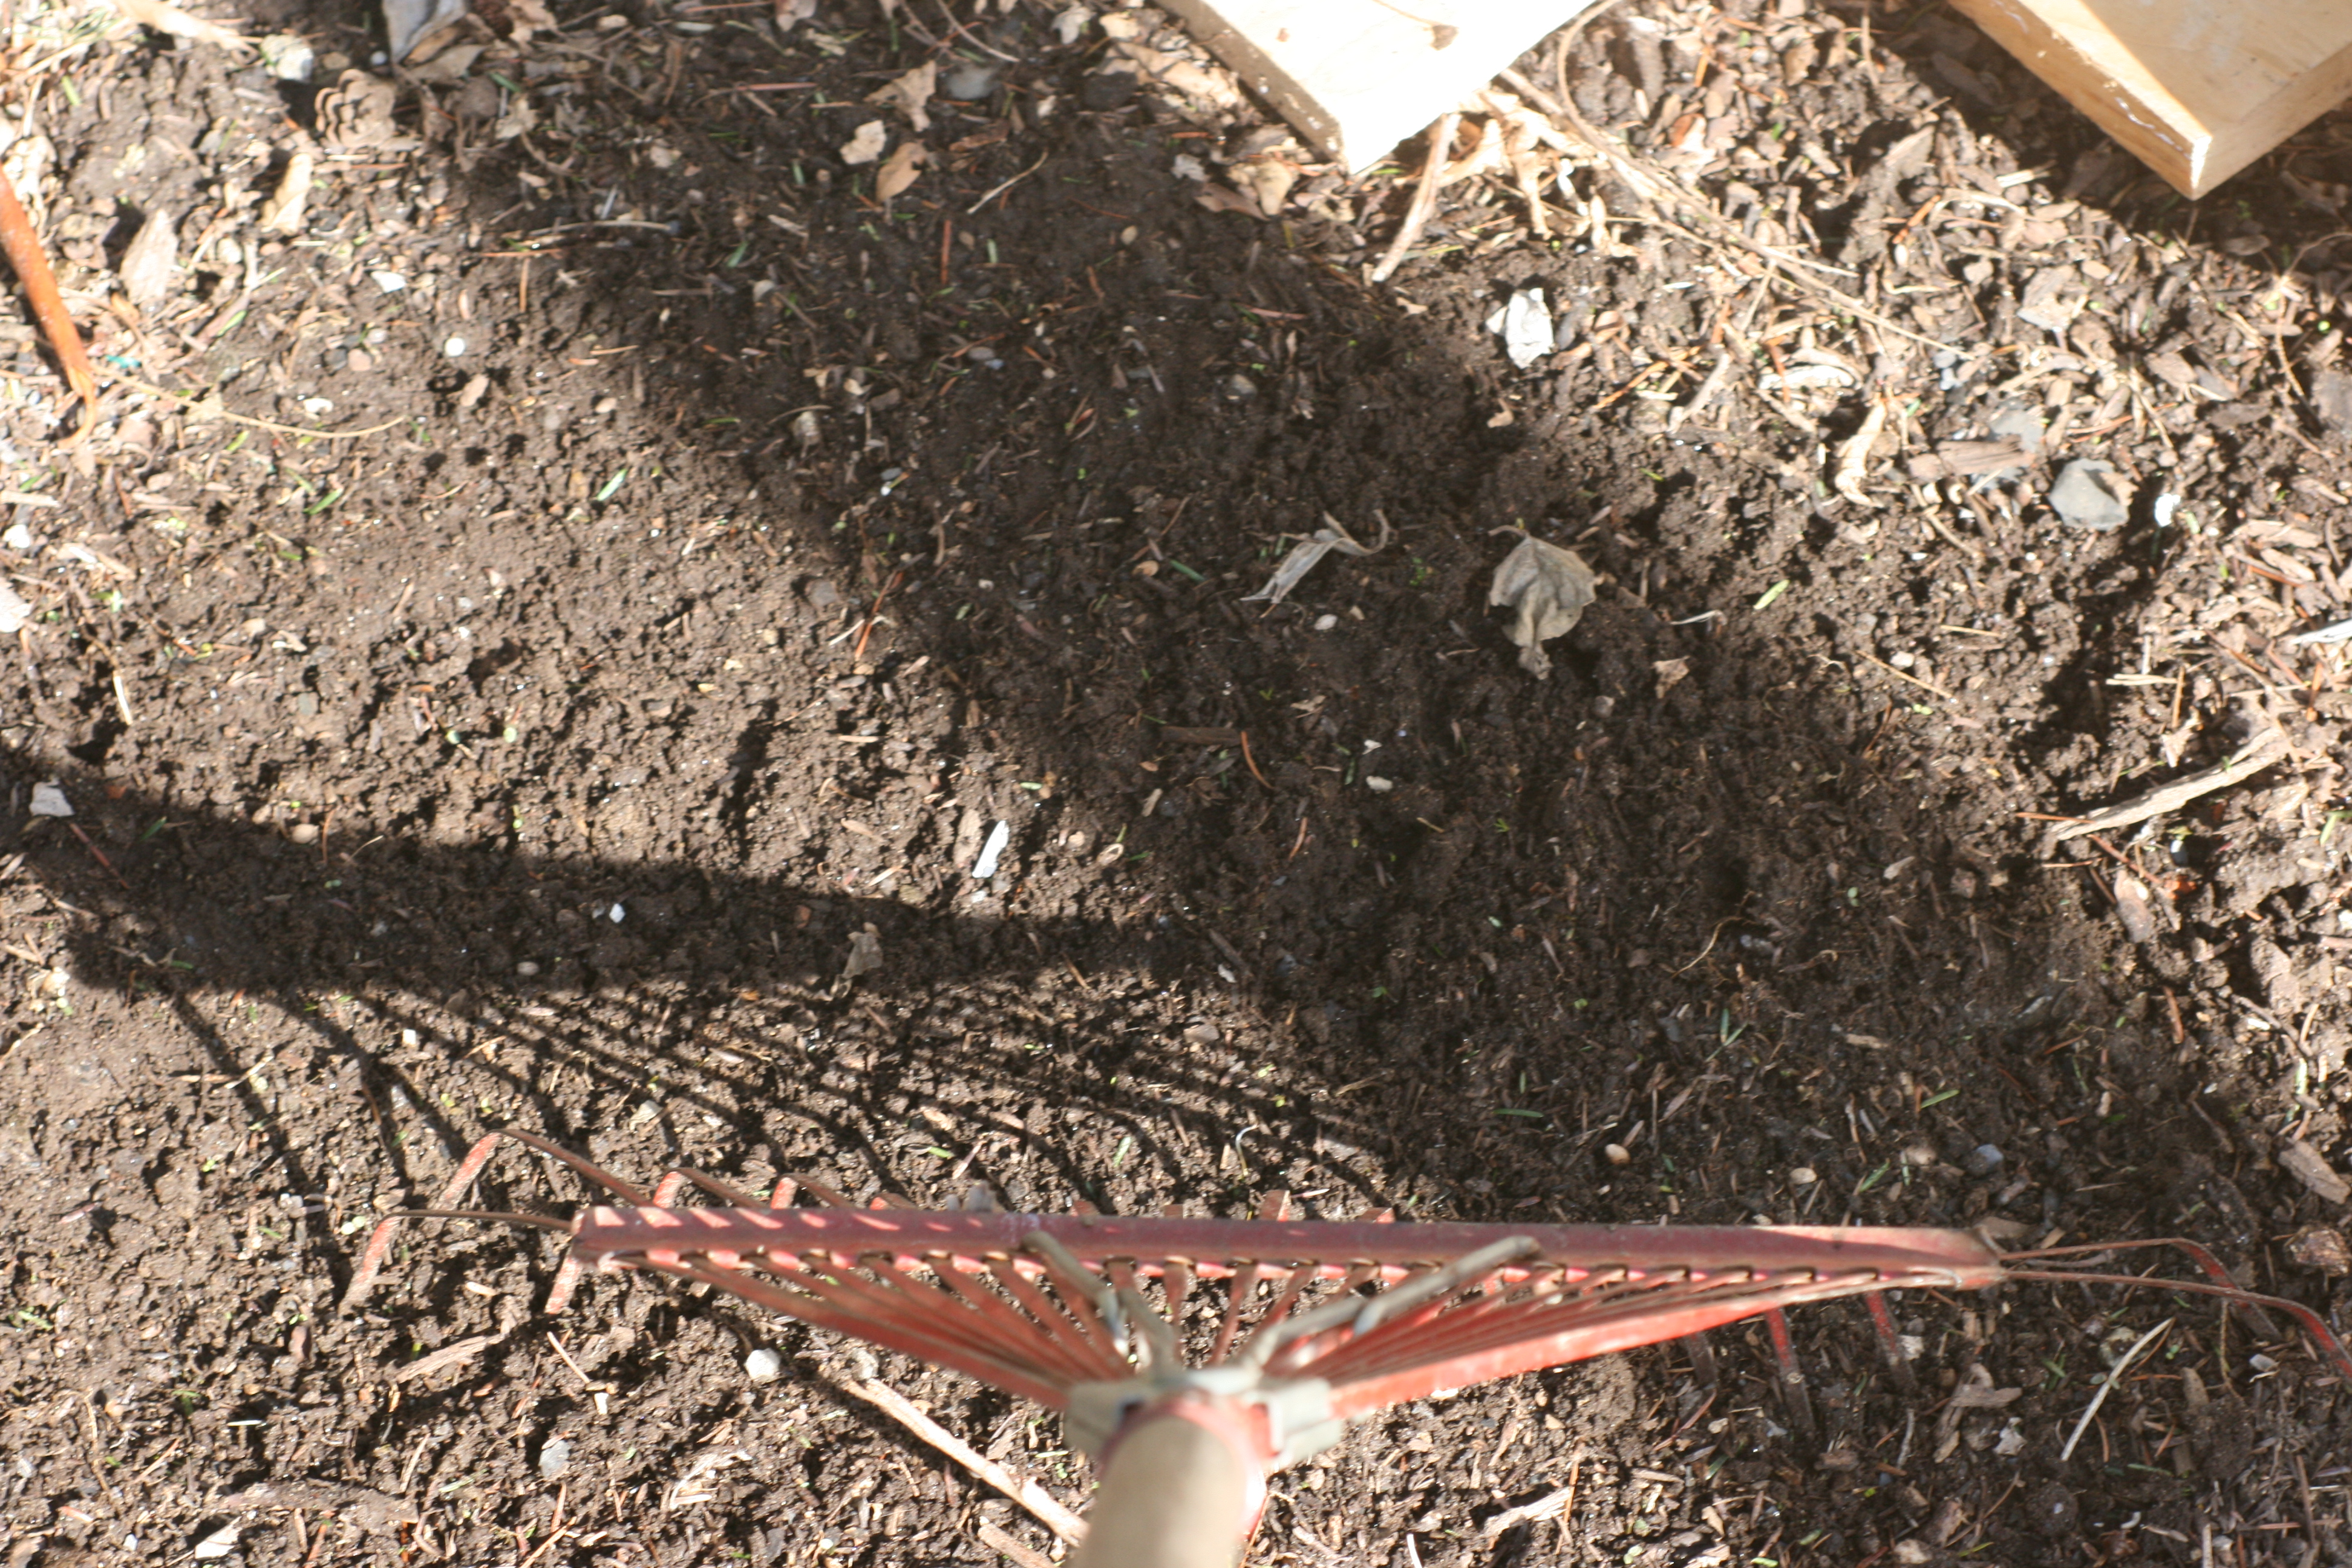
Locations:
(379, 1242)
(2198, 1254)
(2322, 1338)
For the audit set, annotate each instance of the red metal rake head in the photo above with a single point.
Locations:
(1321, 1322)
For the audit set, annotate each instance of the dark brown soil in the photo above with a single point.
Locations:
(531, 759)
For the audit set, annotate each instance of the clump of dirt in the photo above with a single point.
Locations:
(612, 566)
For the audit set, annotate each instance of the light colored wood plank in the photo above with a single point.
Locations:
(1357, 77)
(2197, 89)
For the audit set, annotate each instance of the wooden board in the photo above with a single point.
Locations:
(2197, 89)
(1357, 77)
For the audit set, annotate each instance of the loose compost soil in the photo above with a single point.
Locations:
(601, 559)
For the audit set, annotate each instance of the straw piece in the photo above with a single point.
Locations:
(1026, 1492)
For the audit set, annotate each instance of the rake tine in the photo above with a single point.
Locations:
(2322, 1338)
(1890, 1344)
(1793, 1377)
(2237, 1294)
(379, 1242)
(1085, 1295)
(1243, 1285)
(1176, 1277)
(818, 1311)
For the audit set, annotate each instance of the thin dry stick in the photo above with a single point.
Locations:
(23, 247)
(2257, 754)
(2107, 1385)
(1027, 1493)
(1663, 192)
(1424, 196)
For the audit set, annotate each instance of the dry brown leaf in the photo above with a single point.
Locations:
(899, 171)
(150, 260)
(1220, 198)
(1547, 588)
(864, 144)
(1854, 457)
(910, 93)
(282, 213)
(167, 18)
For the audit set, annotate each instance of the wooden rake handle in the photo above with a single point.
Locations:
(1176, 1494)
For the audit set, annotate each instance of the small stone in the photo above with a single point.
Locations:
(1202, 1034)
(453, 346)
(763, 1365)
(48, 800)
(1983, 1160)
(303, 833)
(527, 968)
(554, 1457)
(2088, 495)
(1616, 1153)
(1803, 1176)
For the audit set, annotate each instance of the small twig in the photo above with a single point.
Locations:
(269, 424)
(1661, 190)
(1424, 196)
(456, 1354)
(2256, 755)
(859, 652)
(1252, 761)
(1000, 190)
(1027, 1493)
(2107, 1385)
(1922, 685)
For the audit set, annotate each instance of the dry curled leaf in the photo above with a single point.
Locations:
(1854, 457)
(864, 143)
(282, 213)
(1547, 588)
(900, 170)
(865, 952)
(2322, 1248)
(150, 260)
(1313, 548)
(908, 94)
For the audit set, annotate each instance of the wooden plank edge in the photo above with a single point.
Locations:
(2145, 120)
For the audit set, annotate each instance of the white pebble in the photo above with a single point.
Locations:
(526, 969)
(1324, 622)
(618, 913)
(763, 1365)
(1802, 1176)
(455, 348)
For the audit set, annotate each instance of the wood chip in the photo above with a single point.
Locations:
(2309, 1166)
(449, 1355)
(996, 1539)
(2251, 759)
